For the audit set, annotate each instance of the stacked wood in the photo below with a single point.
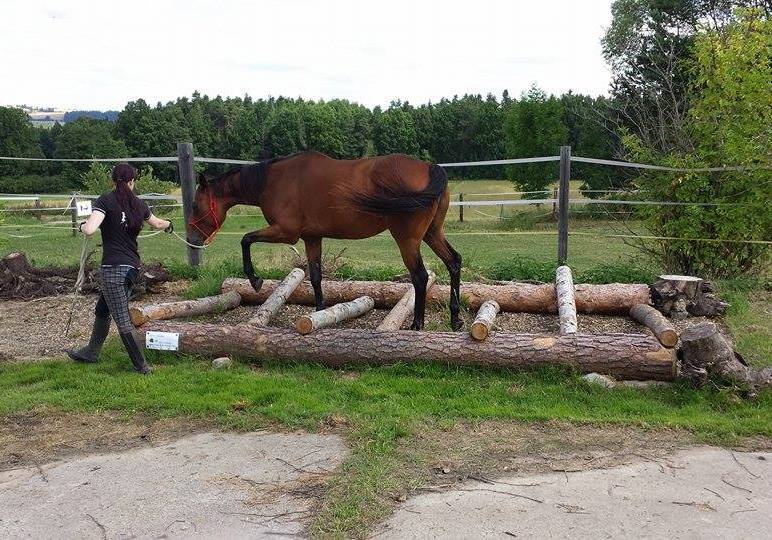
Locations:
(623, 356)
(608, 299)
(404, 308)
(707, 355)
(186, 308)
(277, 298)
(681, 296)
(333, 315)
(564, 288)
(656, 322)
(483, 322)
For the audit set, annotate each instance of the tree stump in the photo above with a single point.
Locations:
(680, 296)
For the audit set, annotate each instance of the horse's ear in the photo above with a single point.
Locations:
(202, 181)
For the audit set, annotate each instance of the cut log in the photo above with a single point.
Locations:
(708, 355)
(185, 308)
(656, 322)
(608, 299)
(404, 308)
(681, 296)
(333, 315)
(278, 297)
(623, 356)
(564, 288)
(483, 323)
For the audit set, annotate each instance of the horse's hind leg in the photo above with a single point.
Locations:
(314, 256)
(272, 234)
(410, 249)
(435, 238)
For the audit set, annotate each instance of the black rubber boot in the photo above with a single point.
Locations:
(90, 353)
(135, 353)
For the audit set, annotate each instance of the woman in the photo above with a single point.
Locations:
(119, 214)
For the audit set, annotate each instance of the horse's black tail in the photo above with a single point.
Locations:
(393, 200)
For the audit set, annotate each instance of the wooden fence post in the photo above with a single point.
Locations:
(461, 207)
(38, 209)
(188, 184)
(74, 214)
(563, 200)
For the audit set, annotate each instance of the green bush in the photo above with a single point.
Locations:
(32, 183)
(97, 180)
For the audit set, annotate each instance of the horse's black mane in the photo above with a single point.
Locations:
(253, 177)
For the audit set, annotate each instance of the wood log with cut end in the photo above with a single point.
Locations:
(278, 297)
(709, 355)
(623, 356)
(185, 308)
(679, 296)
(483, 322)
(656, 322)
(614, 298)
(404, 308)
(333, 315)
(564, 288)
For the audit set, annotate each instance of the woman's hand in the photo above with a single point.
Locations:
(158, 223)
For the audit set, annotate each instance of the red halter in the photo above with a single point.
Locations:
(213, 212)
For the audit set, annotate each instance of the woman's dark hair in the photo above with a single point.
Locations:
(123, 173)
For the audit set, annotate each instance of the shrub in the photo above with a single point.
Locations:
(32, 183)
(97, 180)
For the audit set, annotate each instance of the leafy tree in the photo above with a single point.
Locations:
(534, 127)
(17, 139)
(285, 134)
(394, 132)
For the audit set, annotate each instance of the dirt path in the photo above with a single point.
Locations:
(702, 492)
(212, 485)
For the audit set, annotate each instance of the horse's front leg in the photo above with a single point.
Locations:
(314, 256)
(272, 234)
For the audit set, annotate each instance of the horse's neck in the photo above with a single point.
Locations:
(241, 192)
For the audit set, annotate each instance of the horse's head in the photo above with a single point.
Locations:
(208, 214)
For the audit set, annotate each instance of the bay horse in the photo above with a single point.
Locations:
(311, 196)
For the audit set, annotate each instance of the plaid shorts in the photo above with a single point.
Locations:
(117, 282)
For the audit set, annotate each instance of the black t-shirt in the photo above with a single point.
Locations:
(119, 246)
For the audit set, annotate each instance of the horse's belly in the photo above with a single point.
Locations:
(348, 231)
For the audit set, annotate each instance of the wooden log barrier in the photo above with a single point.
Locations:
(333, 315)
(278, 297)
(611, 299)
(483, 323)
(564, 289)
(623, 356)
(185, 308)
(404, 308)
(656, 322)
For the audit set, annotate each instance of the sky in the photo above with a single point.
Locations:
(79, 54)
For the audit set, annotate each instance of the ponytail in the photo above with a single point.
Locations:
(123, 173)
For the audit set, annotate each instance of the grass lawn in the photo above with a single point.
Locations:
(385, 407)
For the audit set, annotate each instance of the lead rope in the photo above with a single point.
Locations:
(84, 256)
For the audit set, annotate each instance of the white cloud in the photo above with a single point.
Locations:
(91, 54)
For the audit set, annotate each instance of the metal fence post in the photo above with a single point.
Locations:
(563, 200)
(461, 207)
(185, 162)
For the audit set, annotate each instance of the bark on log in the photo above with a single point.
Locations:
(656, 322)
(404, 308)
(623, 356)
(333, 315)
(681, 296)
(483, 323)
(614, 298)
(186, 308)
(709, 355)
(564, 288)
(278, 297)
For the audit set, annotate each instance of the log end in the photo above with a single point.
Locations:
(479, 331)
(304, 325)
(138, 317)
(668, 338)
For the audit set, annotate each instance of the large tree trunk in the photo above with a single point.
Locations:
(609, 299)
(185, 308)
(404, 308)
(623, 356)
(656, 322)
(564, 288)
(278, 297)
(333, 315)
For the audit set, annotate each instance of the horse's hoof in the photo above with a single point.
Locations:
(456, 325)
(321, 307)
(256, 283)
(417, 325)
